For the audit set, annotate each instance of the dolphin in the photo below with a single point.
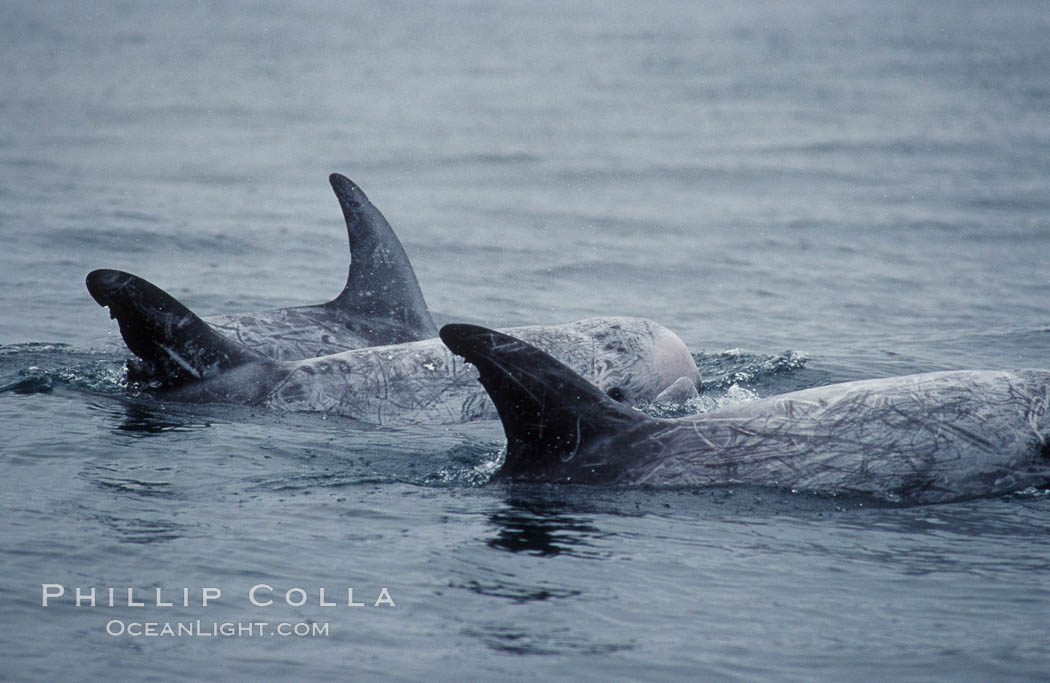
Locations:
(380, 304)
(180, 357)
(919, 439)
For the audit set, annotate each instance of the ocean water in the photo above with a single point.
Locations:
(806, 192)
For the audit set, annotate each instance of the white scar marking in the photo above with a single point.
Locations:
(182, 362)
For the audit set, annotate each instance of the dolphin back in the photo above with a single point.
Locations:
(380, 304)
(381, 286)
(174, 345)
(918, 439)
(549, 413)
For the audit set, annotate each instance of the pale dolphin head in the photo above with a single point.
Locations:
(634, 359)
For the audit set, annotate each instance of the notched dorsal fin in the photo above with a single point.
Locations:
(548, 411)
(174, 344)
(381, 284)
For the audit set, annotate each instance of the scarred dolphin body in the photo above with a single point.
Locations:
(380, 304)
(183, 358)
(919, 439)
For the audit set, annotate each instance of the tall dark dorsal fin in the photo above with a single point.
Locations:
(549, 413)
(381, 284)
(175, 345)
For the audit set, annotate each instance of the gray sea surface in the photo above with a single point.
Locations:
(806, 192)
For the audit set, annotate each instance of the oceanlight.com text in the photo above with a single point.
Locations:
(216, 629)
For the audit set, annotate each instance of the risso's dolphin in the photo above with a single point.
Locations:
(380, 304)
(919, 438)
(182, 358)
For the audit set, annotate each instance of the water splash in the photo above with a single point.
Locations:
(27, 369)
(731, 367)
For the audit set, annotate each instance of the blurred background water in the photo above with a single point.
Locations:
(806, 192)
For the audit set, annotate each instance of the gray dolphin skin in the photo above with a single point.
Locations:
(380, 304)
(182, 358)
(919, 439)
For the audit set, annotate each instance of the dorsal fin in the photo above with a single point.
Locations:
(549, 413)
(381, 284)
(175, 345)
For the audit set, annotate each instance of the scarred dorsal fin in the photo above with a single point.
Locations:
(381, 284)
(549, 413)
(174, 344)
